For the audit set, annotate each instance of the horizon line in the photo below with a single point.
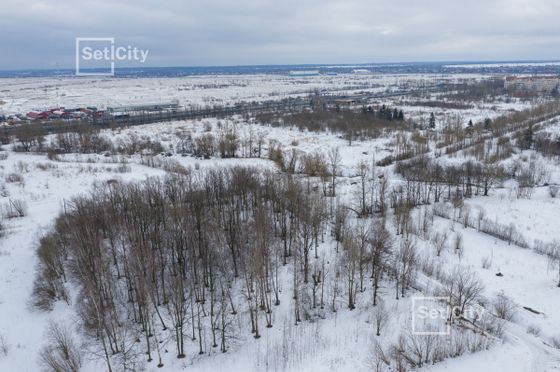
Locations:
(299, 64)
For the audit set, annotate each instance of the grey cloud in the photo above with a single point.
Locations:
(40, 34)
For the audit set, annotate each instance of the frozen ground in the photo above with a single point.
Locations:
(21, 95)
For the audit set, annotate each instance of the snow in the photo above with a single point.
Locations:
(21, 95)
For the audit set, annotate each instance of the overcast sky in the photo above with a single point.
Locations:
(41, 34)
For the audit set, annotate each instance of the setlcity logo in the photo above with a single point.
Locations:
(97, 55)
(432, 315)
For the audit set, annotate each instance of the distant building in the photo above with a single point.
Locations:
(361, 72)
(150, 107)
(345, 102)
(38, 115)
(524, 85)
(299, 73)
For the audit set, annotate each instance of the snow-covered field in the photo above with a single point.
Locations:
(21, 95)
(338, 341)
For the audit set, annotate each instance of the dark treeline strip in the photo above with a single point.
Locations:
(468, 91)
(547, 144)
(440, 104)
(354, 125)
(427, 180)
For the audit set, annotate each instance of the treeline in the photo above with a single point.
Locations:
(427, 180)
(440, 103)
(547, 144)
(405, 147)
(487, 89)
(507, 233)
(228, 141)
(455, 137)
(385, 112)
(354, 125)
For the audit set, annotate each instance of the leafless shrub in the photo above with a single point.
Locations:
(206, 145)
(486, 262)
(3, 155)
(431, 266)
(123, 168)
(4, 347)
(14, 178)
(52, 155)
(439, 241)
(4, 190)
(50, 274)
(134, 144)
(44, 166)
(458, 244)
(21, 167)
(504, 307)
(534, 330)
(415, 351)
(314, 165)
(553, 190)
(508, 233)
(169, 165)
(466, 216)
(15, 208)
(492, 324)
(552, 251)
(61, 354)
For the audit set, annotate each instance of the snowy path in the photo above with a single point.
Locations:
(540, 357)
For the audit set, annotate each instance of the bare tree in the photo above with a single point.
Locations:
(381, 243)
(439, 241)
(380, 360)
(553, 254)
(61, 354)
(351, 266)
(334, 163)
(383, 186)
(380, 317)
(206, 145)
(363, 191)
(404, 265)
(178, 306)
(458, 244)
(463, 289)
